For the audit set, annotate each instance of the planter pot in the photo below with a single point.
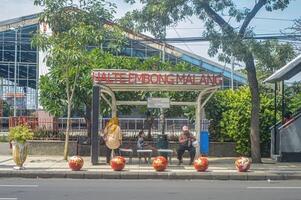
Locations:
(201, 164)
(242, 164)
(76, 163)
(117, 163)
(20, 151)
(160, 163)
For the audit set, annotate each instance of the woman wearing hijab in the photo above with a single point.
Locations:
(112, 137)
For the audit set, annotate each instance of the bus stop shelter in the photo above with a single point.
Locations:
(286, 137)
(107, 82)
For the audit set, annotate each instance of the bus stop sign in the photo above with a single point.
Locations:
(158, 103)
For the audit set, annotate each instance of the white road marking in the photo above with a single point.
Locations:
(27, 186)
(8, 199)
(267, 188)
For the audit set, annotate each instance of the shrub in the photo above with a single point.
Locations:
(20, 134)
(231, 114)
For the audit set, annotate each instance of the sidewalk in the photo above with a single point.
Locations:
(219, 169)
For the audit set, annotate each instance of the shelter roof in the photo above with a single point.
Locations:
(287, 72)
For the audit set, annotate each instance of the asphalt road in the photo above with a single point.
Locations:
(83, 189)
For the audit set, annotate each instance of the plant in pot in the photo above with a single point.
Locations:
(18, 136)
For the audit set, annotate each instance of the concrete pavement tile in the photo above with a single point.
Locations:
(270, 176)
(201, 175)
(293, 176)
(147, 175)
(93, 175)
(75, 174)
(256, 176)
(180, 175)
(6, 174)
(220, 175)
(129, 175)
(111, 174)
(238, 176)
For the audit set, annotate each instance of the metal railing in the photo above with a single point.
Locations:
(129, 126)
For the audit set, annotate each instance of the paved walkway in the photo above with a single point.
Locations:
(219, 168)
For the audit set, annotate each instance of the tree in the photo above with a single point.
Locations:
(271, 55)
(226, 38)
(296, 29)
(74, 29)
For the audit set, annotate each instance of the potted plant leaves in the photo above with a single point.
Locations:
(18, 136)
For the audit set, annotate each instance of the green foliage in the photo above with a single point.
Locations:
(20, 134)
(230, 112)
(293, 97)
(43, 134)
(271, 55)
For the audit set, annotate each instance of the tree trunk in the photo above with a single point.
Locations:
(255, 100)
(66, 148)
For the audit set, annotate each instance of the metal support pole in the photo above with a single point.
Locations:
(283, 101)
(198, 121)
(275, 119)
(94, 125)
(162, 121)
(15, 75)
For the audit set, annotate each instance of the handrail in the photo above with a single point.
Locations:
(294, 117)
(290, 121)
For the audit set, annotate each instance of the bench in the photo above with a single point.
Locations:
(169, 153)
(129, 152)
(145, 151)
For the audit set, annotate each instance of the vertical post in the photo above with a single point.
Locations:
(275, 119)
(198, 122)
(15, 75)
(283, 100)
(94, 125)
(232, 72)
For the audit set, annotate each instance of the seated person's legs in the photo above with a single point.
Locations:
(180, 153)
(191, 153)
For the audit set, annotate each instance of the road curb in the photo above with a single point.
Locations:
(250, 176)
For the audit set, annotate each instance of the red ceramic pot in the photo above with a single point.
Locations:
(160, 163)
(122, 158)
(201, 164)
(117, 163)
(76, 163)
(242, 164)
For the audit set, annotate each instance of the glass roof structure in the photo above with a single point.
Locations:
(16, 50)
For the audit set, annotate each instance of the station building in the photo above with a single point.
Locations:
(21, 64)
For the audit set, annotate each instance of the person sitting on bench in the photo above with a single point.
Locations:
(141, 144)
(185, 143)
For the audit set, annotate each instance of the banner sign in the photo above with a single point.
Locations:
(123, 77)
(158, 102)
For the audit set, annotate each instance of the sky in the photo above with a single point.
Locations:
(264, 23)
